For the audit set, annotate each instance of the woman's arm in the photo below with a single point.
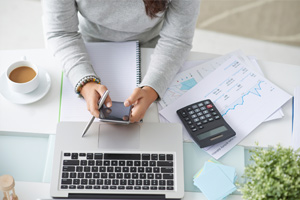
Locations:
(174, 44)
(61, 27)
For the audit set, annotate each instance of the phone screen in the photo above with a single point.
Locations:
(116, 113)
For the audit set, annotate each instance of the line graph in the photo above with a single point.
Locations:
(240, 101)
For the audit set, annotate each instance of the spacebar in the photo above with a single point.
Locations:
(121, 156)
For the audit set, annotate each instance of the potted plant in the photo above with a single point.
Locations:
(273, 174)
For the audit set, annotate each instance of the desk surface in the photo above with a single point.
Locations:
(42, 116)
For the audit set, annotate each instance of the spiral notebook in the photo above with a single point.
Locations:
(118, 66)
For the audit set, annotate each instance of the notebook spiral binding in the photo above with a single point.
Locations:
(138, 64)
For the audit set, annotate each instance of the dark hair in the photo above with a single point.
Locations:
(153, 7)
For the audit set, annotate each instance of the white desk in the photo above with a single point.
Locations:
(42, 116)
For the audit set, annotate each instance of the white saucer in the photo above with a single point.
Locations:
(37, 94)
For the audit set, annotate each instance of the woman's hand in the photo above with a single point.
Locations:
(141, 99)
(92, 92)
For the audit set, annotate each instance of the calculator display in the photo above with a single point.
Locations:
(212, 132)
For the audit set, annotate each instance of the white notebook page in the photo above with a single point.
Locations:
(117, 64)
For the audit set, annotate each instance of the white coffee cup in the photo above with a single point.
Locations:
(22, 76)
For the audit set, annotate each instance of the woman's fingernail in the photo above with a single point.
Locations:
(126, 103)
(109, 104)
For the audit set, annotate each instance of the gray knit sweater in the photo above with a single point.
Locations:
(68, 23)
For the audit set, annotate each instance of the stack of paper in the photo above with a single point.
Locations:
(296, 119)
(215, 180)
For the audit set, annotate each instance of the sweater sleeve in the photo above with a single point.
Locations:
(174, 44)
(65, 41)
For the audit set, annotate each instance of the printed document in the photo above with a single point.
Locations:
(243, 97)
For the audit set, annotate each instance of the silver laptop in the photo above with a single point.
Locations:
(142, 160)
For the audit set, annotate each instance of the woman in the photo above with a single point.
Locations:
(167, 25)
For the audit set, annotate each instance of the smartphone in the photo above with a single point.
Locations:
(117, 113)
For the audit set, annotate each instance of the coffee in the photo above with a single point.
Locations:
(22, 74)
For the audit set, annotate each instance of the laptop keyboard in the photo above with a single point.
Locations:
(116, 171)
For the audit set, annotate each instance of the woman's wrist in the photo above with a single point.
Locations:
(84, 81)
(153, 94)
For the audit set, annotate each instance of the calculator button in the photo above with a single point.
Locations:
(205, 112)
(189, 109)
(194, 106)
(200, 127)
(199, 123)
(196, 120)
(204, 121)
(209, 106)
(199, 114)
(189, 122)
(208, 115)
(210, 119)
(214, 113)
(200, 104)
(194, 129)
(192, 126)
(202, 118)
(217, 117)
(191, 112)
(206, 102)
(184, 114)
(197, 110)
(211, 110)
(202, 108)
(194, 116)
(186, 119)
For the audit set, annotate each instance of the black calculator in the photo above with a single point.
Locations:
(204, 123)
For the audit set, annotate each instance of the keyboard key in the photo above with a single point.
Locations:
(97, 187)
(72, 187)
(89, 156)
(164, 163)
(71, 162)
(79, 169)
(137, 187)
(161, 188)
(105, 187)
(166, 170)
(65, 175)
(168, 176)
(68, 169)
(162, 182)
(154, 157)
(121, 187)
(170, 188)
(169, 156)
(88, 187)
(99, 162)
(84, 182)
(113, 187)
(91, 162)
(66, 181)
(74, 156)
(103, 175)
(153, 188)
(80, 187)
(92, 182)
(98, 156)
(67, 154)
(145, 156)
(82, 154)
(170, 182)
(83, 162)
(99, 181)
(73, 175)
(129, 187)
(145, 187)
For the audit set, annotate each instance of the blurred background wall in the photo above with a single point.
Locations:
(271, 20)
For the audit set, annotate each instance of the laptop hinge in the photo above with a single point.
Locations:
(116, 196)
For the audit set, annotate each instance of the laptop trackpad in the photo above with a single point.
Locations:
(114, 136)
